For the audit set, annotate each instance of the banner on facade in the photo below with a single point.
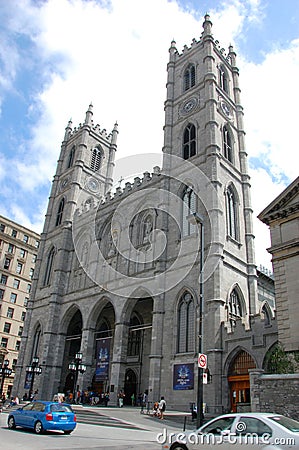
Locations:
(28, 379)
(103, 359)
(183, 377)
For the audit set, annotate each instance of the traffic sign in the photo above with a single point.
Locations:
(202, 361)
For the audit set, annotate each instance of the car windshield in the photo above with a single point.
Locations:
(286, 422)
(56, 407)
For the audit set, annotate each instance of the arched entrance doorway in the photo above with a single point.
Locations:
(130, 386)
(238, 378)
(72, 346)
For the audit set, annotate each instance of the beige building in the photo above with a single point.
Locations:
(18, 253)
(282, 217)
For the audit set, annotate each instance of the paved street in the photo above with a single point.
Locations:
(111, 428)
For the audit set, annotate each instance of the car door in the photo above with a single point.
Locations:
(22, 415)
(36, 413)
(253, 432)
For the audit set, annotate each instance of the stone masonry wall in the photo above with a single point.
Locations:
(277, 393)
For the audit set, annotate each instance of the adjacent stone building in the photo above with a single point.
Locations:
(282, 217)
(126, 275)
(18, 253)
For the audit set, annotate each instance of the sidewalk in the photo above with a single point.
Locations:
(173, 420)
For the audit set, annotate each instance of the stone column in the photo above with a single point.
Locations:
(118, 368)
(254, 376)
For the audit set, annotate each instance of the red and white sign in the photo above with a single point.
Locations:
(202, 361)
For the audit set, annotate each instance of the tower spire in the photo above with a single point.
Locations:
(89, 114)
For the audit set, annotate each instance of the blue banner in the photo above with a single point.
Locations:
(103, 359)
(183, 377)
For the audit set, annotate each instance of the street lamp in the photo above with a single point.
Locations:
(33, 369)
(76, 367)
(196, 219)
(5, 372)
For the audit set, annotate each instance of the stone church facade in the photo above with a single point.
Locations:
(126, 276)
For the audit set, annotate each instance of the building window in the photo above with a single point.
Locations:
(223, 79)
(14, 363)
(3, 279)
(36, 244)
(17, 347)
(186, 324)
(227, 144)
(231, 212)
(22, 253)
(7, 327)
(16, 283)
(234, 306)
(2, 294)
(34, 257)
(14, 233)
(7, 263)
(28, 288)
(23, 316)
(71, 158)
(19, 268)
(59, 213)
(25, 239)
(4, 342)
(26, 300)
(20, 332)
(10, 313)
(13, 298)
(31, 273)
(49, 266)
(189, 207)
(96, 159)
(134, 341)
(2, 227)
(189, 77)
(10, 248)
(189, 141)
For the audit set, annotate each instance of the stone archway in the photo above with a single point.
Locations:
(238, 378)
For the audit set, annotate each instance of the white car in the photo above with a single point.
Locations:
(237, 431)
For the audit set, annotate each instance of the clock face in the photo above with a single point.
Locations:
(64, 183)
(225, 108)
(93, 185)
(189, 105)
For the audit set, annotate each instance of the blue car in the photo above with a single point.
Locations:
(42, 416)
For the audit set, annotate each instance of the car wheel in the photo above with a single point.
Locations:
(67, 431)
(11, 423)
(177, 446)
(38, 427)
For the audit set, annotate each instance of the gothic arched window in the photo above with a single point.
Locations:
(186, 324)
(49, 266)
(134, 341)
(96, 159)
(231, 213)
(59, 213)
(223, 79)
(189, 77)
(71, 158)
(36, 341)
(234, 305)
(227, 144)
(189, 207)
(189, 141)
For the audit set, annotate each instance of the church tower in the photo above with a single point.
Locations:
(204, 126)
(83, 176)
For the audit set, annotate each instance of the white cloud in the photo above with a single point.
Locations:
(116, 57)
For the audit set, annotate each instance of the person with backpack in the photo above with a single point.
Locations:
(162, 407)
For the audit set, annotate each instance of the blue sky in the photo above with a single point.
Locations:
(57, 56)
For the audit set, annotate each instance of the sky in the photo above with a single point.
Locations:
(58, 56)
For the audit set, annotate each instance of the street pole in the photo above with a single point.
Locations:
(200, 417)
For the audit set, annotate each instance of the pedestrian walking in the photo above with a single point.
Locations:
(162, 407)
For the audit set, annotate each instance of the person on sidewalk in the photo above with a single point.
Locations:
(162, 407)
